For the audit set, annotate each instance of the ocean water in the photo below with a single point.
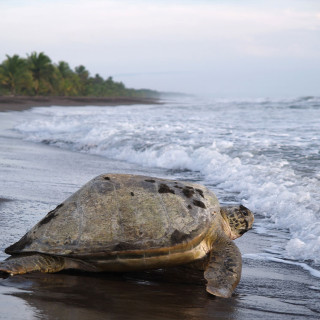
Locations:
(263, 153)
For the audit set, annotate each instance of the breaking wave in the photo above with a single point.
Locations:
(263, 153)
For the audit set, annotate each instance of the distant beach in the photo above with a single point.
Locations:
(19, 103)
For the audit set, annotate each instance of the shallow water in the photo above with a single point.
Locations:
(36, 177)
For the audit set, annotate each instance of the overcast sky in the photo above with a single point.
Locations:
(227, 48)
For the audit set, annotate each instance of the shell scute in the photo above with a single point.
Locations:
(117, 212)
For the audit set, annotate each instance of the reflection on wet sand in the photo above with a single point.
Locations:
(82, 296)
(267, 291)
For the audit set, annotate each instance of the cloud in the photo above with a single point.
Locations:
(129, 22)
(156, 37)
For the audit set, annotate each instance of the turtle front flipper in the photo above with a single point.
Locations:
(29, 263)
(223, 272)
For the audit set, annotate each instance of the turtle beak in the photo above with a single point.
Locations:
(243, 231)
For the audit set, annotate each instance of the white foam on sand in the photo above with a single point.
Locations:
(267, 257)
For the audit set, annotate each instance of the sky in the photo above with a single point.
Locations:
(230, 48)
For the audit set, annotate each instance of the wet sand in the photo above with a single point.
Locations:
(36, 177)
(261, 295)
(19, 103)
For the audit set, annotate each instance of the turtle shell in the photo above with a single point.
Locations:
(118, 212)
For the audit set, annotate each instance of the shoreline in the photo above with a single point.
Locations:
(20, 103)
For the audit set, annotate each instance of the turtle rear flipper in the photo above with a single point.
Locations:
(30, 263)
(223, 272)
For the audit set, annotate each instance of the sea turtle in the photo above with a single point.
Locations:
(121, 222)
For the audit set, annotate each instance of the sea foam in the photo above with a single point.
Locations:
(262, 153)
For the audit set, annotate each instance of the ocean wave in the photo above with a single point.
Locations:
(255, 153)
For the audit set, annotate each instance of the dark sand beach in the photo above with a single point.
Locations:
(37, 177)
(18, 103)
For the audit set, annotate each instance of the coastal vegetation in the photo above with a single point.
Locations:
(37, 75)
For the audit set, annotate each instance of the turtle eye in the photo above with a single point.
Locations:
(244, 210)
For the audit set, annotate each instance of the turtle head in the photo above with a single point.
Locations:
(237, 220)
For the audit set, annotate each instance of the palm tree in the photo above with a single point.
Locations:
(67, 81)
(42, 71)
(64, 69)
(14, 74)
(83, 75)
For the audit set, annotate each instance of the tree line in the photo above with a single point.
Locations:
(36, 75)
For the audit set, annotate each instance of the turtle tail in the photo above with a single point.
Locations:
(30, 263)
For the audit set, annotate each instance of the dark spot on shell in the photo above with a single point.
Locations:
(178, 237)
(52, 214)
(178, 187)
(188, 192)
(200, 192)
(150, 180)
(24, 242)
(199, 203)
(132, 193)
(165, 189)
(106, 178)
(190, 206)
